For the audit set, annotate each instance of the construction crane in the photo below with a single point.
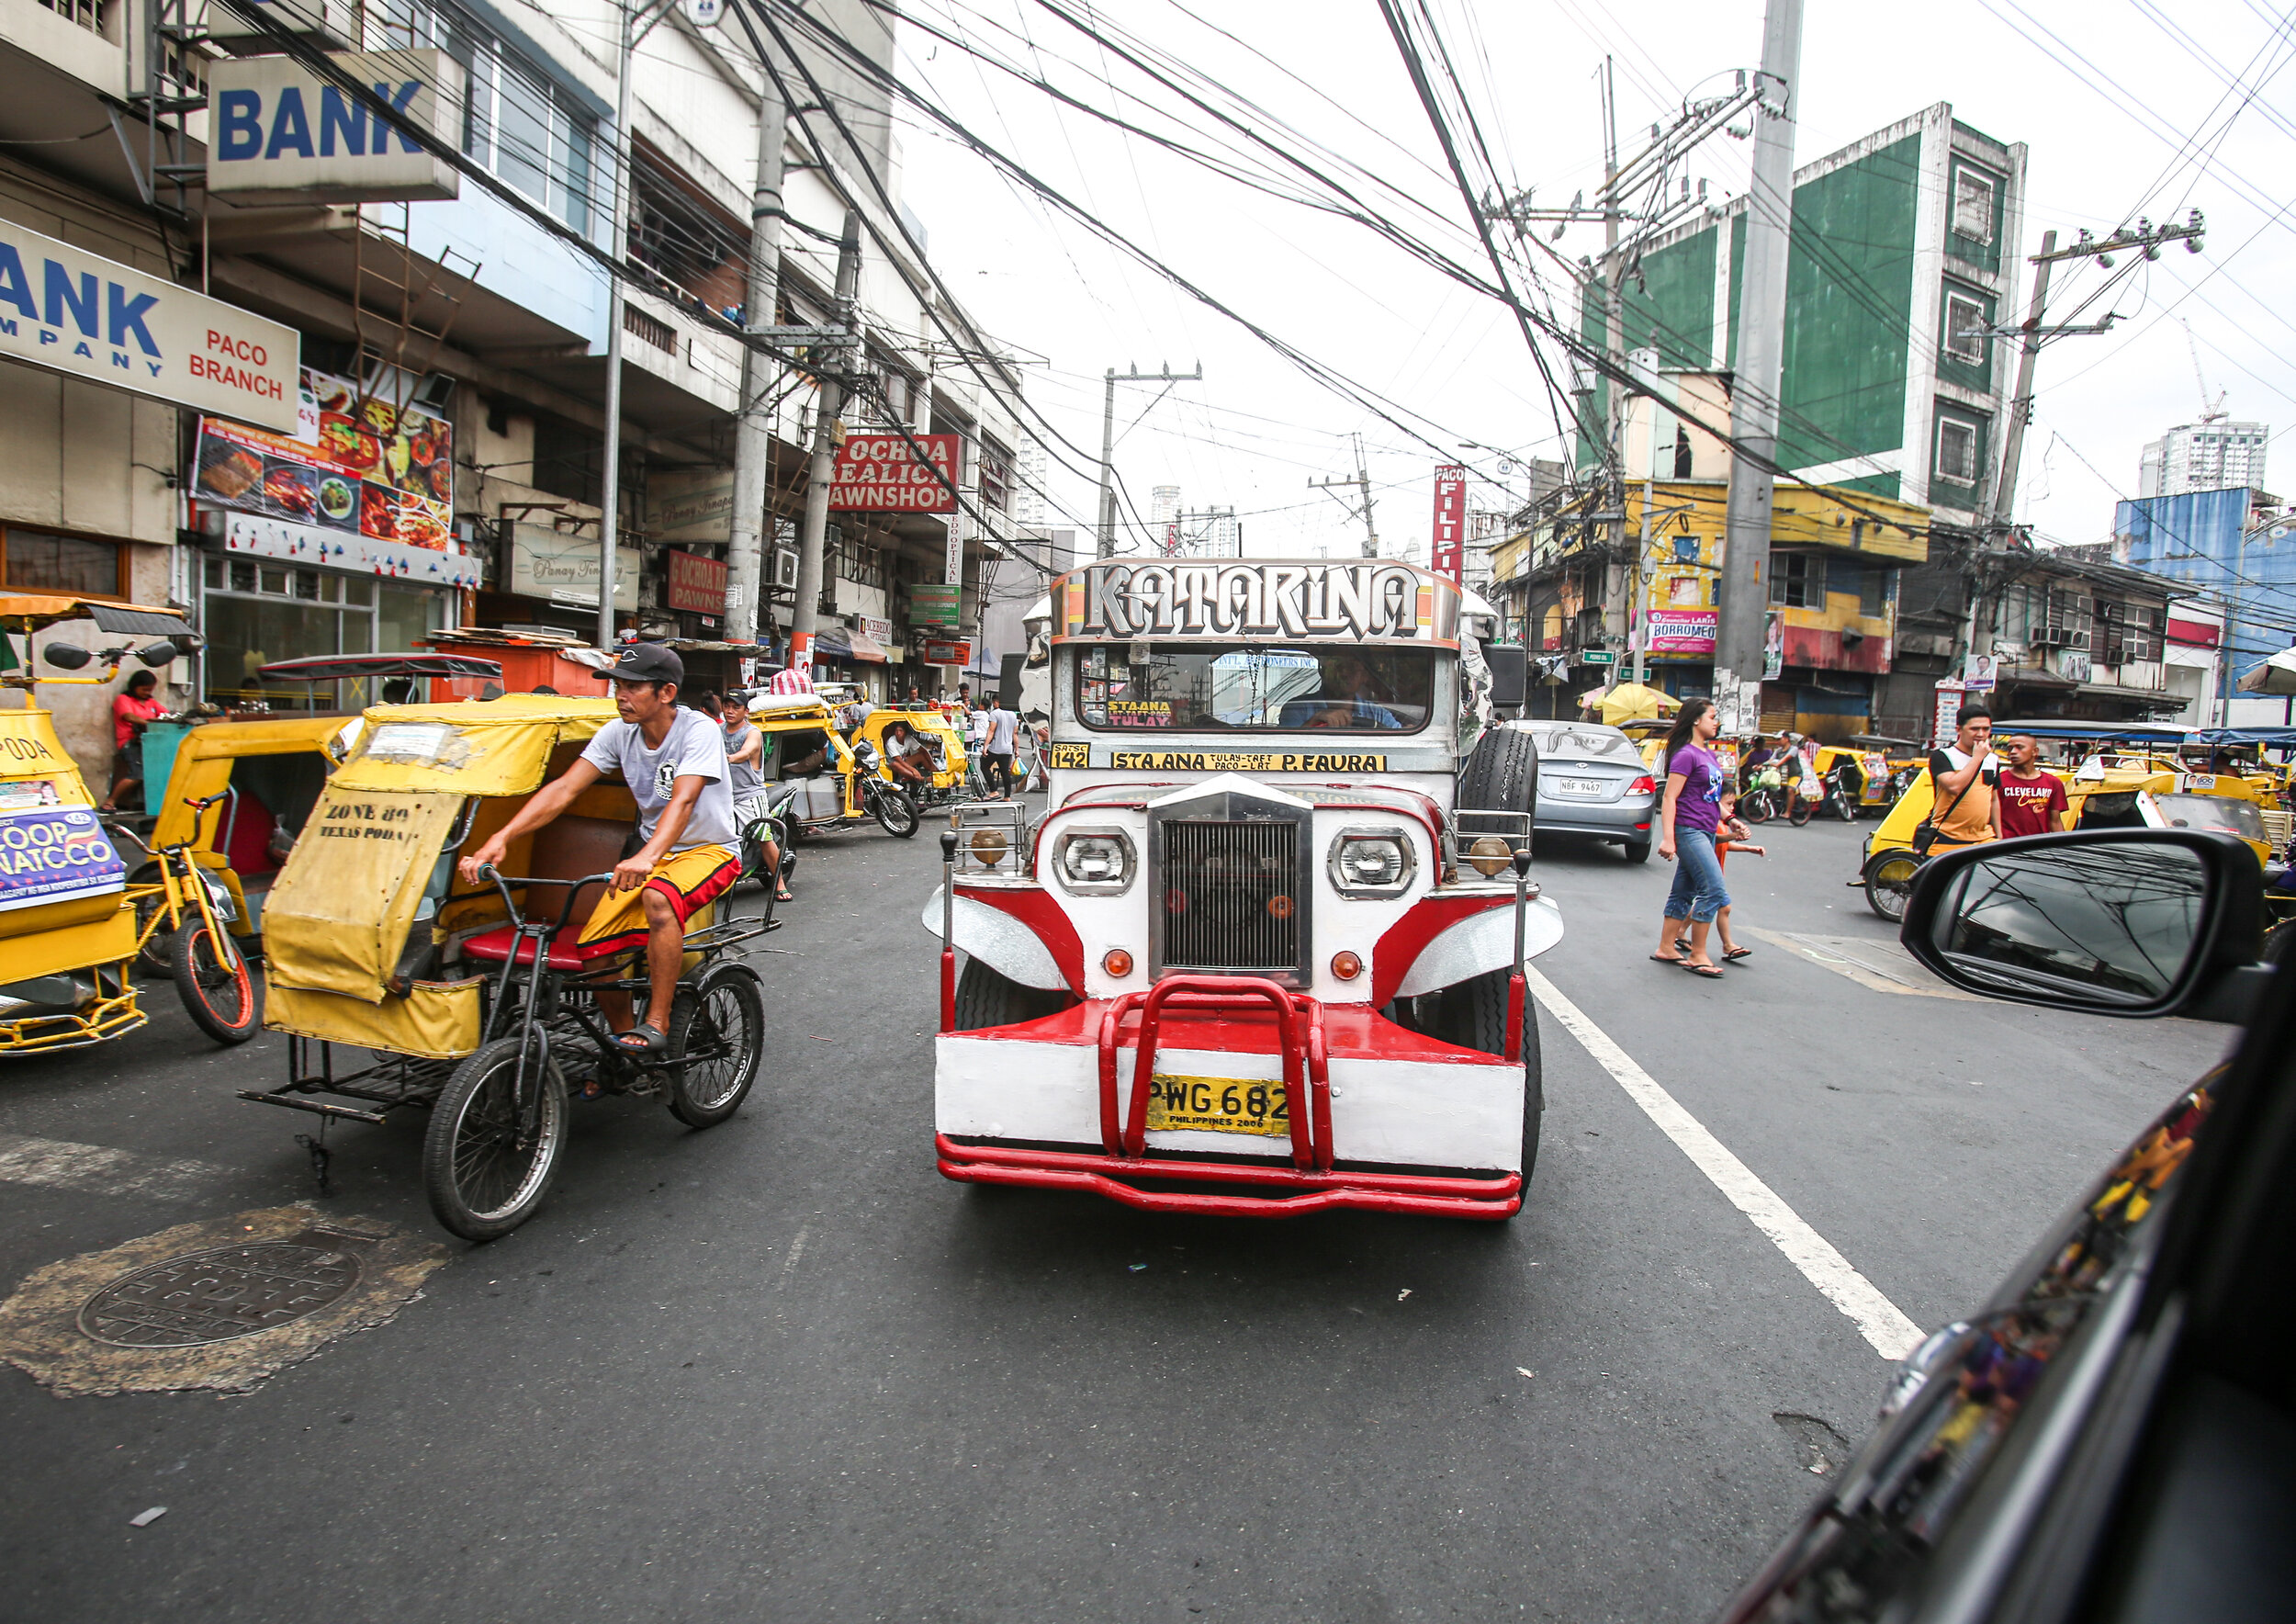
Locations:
(2211, 410)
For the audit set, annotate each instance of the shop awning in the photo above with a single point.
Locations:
(867, 648)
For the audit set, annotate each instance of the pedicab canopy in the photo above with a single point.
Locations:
(1631, 702)
(339, 913)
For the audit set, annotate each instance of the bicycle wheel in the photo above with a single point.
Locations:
(489, 1155)
(1889, 881)
(1802, 811)
(719, 1023)
(1754, 806)
(215, 981)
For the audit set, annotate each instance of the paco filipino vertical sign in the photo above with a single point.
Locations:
(1446, 547)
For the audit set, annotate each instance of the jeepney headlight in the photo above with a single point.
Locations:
(1371, 862)
(1098, 861)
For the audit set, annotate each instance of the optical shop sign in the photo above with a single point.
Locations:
(73, 313)
(284, 133)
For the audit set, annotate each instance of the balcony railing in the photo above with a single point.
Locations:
(88, 14)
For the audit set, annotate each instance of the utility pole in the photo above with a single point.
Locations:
(638, 21)
(1638, 612)
(1362, 482)
(1162, 375)
(805, 618)
(1744, 595)
(1614, 348)
(753, 430)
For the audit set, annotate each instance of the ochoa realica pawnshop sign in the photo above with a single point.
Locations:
(90, 318)
(1368, 602)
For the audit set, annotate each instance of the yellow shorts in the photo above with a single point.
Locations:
(691, 879)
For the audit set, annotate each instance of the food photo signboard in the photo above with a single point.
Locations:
(364, 467)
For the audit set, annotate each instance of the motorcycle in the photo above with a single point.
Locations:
(1844, 789)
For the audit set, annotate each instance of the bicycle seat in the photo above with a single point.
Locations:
(495, 945)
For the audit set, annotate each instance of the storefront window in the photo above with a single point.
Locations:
(42, 562)
(257, 611)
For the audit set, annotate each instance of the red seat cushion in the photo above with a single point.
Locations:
(495, 946)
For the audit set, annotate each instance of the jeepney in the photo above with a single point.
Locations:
(1262, 953)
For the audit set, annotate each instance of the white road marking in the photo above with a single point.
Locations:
(797, 1250)
(61, 1165)
(1881, 966)
(1878, 1320)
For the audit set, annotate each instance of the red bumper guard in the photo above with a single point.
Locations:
(1319, 1186)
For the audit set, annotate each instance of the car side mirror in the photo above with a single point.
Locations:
(2130, 922)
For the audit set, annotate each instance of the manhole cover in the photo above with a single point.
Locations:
(219, 1293)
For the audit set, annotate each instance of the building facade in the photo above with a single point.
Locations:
(2206, 456)
(442, 462)
(1904, 251)
(2234, 550)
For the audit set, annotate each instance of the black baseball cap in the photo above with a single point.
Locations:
(647, 662)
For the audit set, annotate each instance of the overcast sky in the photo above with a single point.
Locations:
(2108, 139)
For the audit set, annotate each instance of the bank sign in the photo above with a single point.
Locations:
(281, 132)
(1353, 603)
(71, 311)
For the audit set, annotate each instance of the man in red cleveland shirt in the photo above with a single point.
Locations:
(2032, 801)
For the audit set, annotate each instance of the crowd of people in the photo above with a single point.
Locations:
(1979, 794)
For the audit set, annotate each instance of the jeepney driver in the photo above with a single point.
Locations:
(674, 762)
(1349, 698)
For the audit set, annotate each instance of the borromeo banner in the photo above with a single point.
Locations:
(71, 311)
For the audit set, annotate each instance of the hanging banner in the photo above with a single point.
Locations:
(1447, 549)
(71, 311)
(689, 505)
(880, 474)
(336, 549)
(366, 468)
(1682, 631)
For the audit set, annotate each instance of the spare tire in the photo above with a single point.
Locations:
(1500, 775)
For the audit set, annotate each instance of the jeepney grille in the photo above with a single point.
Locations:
(1231, 896)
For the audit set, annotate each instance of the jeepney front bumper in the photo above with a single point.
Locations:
(1054, 1104)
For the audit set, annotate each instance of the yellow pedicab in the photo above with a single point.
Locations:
(397, 989)
(72, 923)
(883, 730)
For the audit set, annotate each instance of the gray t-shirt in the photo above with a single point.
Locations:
(747, 779)
(1001, 724)
(693, 747)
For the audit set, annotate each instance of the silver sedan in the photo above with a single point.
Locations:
(1591, 781)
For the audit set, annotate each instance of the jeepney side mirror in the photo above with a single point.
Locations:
(188, 643)
(2134, 922)
(68, 657)
(156, 655)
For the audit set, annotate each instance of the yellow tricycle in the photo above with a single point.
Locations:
(72, 922)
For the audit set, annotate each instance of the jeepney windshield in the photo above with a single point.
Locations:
(1139, 687)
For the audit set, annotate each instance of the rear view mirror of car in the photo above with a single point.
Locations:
(2132, 922)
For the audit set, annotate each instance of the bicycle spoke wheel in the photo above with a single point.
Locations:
(494, 1141)
(717, 1029)
(215, 981)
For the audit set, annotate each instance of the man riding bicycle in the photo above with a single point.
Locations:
(673, 761)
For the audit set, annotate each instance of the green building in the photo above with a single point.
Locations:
(1901, 242)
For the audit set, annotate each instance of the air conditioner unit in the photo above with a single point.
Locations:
(2074, 639)
(2048, 637)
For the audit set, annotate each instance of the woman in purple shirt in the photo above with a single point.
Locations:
(1694, 786)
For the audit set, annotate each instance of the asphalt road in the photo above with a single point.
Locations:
(781, 1370)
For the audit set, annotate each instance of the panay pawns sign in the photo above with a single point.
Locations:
(1351, 602)
(880, 474)
(94, 319)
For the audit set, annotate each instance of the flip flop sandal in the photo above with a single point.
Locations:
(1681, 943)
(1736, 953)
(784, 896)
(643, 1040)
(1709, 971)
(1659, 958)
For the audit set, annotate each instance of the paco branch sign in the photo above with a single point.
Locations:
(94, 319)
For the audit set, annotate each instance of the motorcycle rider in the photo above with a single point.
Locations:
(745, 758)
